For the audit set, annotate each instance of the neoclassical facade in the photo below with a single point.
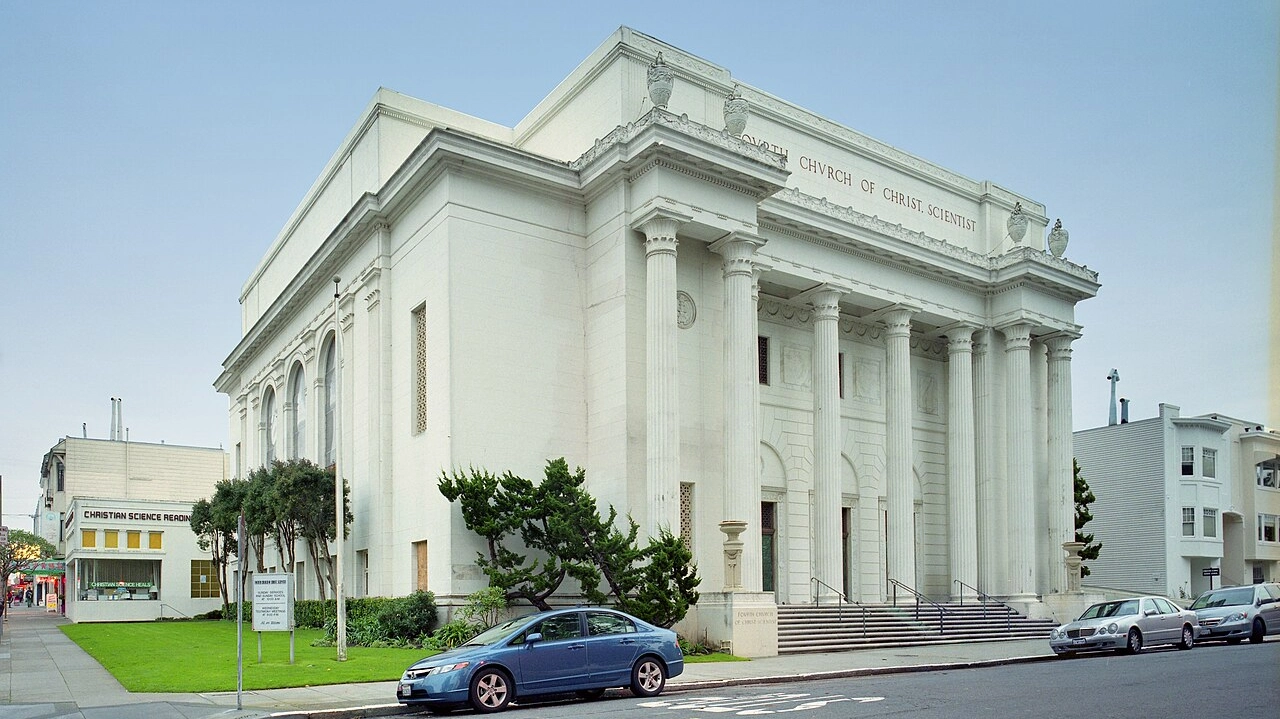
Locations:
(862, 355)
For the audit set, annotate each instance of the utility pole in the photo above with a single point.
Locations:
(339, 505)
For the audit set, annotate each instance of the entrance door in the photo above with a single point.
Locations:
(768, 528)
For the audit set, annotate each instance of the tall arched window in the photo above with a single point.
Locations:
(298, 398)
(269, 426)
(329, 360)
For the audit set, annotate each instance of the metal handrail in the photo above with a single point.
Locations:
(942, 611)
(840, 605)
(983, 597)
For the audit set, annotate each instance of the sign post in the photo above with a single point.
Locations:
(1211, 572)
(273, 607)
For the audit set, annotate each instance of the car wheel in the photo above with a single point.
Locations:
(490, 691)
(591, 694)
(648, 677)
(1188, 637)
(1259, 629)
(1134, 645)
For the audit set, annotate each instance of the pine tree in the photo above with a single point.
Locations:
(1084, 497)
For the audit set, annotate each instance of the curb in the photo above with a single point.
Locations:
(380, 710)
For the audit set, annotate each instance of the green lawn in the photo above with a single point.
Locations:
(200, 656)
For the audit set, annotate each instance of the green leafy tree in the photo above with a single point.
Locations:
(668, 582)
(305, 496)
(210, 537)
(262, 517)
(23, 550)
(1084, 497)
(561, 521)
(506, 512)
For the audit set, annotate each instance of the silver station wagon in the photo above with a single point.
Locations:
(1127, 626)
(1234, 613)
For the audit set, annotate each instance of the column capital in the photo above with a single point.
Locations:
(1017, 335)
(660, 223)
(825, 299)
(896, 318)
(960, 338)
(1059, 344)
(738, 250)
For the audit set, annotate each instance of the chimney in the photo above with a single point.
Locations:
(1111, 413)
(84, 430)
(112, 436)
(1124, 411)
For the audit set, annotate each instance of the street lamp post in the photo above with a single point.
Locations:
(338, 503)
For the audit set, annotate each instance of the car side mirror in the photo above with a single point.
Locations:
(1153, 612)
(535, 637)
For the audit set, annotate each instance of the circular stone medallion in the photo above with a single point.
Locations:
(686, 311)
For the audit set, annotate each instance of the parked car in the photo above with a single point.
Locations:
(1126, 625)
(582, 650)
(1233, 613)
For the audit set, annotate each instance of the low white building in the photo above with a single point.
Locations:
(861, 354)
(1182, 501)
(119, 511)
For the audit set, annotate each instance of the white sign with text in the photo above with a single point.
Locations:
(272, 602)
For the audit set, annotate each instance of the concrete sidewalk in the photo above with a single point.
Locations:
(44, 674)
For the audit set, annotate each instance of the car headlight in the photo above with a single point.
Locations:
(1056, 633)
(1113, 628)
(1237, 617)
(442, 669)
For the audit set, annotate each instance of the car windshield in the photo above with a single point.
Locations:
(496, 633)
(1224, 598)
(1111, 609)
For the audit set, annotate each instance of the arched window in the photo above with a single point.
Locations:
(329, 361)
(269, 426)
(298, 398)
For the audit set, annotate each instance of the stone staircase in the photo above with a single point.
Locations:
(805, 628)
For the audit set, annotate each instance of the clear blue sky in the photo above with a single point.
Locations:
(150, 152)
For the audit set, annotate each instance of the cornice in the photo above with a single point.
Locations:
(658, 117)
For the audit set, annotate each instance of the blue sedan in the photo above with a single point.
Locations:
(583, 650)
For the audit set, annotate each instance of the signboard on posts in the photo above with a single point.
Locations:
(272, 602)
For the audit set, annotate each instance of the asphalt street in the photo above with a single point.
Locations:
(1211, 680)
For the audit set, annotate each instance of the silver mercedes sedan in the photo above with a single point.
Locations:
(1127, 626)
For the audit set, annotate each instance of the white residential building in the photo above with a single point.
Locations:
(863, 355)
(1182, 501)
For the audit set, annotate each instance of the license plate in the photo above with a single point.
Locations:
(406, 689)
(1078, 641)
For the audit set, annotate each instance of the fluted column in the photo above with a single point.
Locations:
(741, 493)
(1061, 478)
(662, 421)
(827, 540)
(961, 472)
(900, 497)
(1022, 520)
(992, 514)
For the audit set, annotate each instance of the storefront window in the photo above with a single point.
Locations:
(118, 579)
(135, 539)
(111, 539)
(153, 540)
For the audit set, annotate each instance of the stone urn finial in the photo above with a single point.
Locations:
(1057, 239)
(733, 553)
(661, 78)
(736, 110)
(1017, 223)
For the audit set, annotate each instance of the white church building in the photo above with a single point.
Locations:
(864, 356)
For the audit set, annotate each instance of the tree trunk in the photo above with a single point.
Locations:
(315, 562)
